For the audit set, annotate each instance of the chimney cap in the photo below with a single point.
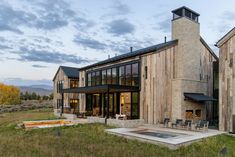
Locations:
(185, 8)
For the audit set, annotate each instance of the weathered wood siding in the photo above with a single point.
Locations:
(60, 76)
(227, 84)
(156, 89)
(161, 93)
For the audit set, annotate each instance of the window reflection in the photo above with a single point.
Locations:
(123, 75)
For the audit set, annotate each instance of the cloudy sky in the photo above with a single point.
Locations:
(36, 36)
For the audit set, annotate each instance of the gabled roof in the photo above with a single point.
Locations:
(134, 53)
(208, 48)
(70, 72)
(226, 37)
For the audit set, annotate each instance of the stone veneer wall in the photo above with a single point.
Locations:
(116, 122)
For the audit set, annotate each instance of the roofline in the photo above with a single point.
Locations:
(221, 42)
(63, 71)
(187, 9)
(148, 50)
(209, 49)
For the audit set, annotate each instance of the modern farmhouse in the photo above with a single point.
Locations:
(174, 79)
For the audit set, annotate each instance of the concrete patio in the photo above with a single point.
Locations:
(181, 137)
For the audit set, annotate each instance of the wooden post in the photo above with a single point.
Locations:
(62, 104)
(107, 111)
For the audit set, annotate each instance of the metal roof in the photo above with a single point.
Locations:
(70, 72)
(218, 44)
(209, 49)
(133, 54)
(198, 97)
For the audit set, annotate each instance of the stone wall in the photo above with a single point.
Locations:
(116, 122)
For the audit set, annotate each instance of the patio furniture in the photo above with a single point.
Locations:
(166, 121)
(177, 123)
(202, 124)
(187, 124)
(121, 116)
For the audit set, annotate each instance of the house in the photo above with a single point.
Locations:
(227, 82)
(173, 79)
(65, 77)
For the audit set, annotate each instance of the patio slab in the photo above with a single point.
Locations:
(174, 139)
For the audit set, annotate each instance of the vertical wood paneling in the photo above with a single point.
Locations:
(156, 90)
(226, 85)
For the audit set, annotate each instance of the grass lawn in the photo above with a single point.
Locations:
(89, 140)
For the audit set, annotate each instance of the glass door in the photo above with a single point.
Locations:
(125, 104)
(135, 105)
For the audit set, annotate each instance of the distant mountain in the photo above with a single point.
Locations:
(38, 89)
(42, 86)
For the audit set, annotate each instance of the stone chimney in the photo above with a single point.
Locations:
(186, 29)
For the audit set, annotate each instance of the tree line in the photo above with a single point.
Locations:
(34, 96)
(9, 95)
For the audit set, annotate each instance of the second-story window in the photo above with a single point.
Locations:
(97, 80)
(60, 85)
(122, 75)
(89, 79)
(73, 83)
(128, 75)
(109, 76)
(114, 75)
(93, 79)
(135, 74)
(104, 80)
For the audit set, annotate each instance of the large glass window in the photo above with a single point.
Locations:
(135, 74)
(73, 103)
(89, 79)
(128, 75)
(97, 78)
(135, 105)
(96, 105)
(89, 104)
(114, 75)
(109, 76)
(122, 75)
(104, 80)
(93, 79)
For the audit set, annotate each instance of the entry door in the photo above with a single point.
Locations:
(110, 100)
(125, 104)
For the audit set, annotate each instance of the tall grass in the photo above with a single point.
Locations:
(90, 140)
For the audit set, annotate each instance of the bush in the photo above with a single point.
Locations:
(9, 95)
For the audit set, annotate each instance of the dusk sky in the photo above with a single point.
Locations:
(37, 36)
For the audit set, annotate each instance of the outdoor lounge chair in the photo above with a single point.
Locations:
(166, 121)
(177, 123)
(187, 124)
(121, 116)
(202, 124)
